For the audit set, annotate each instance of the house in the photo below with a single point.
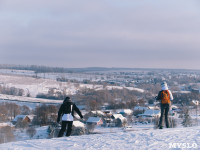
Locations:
(126, 112)
(150, 113)
(140, 108)
(97, 113)
(116, 116)
(195, 102)
(23, 118)
(94, 121)
(118, 120)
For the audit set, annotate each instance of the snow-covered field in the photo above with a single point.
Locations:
(35, 86)
(28, 99)
(166, 139)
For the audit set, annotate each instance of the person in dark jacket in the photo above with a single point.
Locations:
(67, 112)
(165, 96)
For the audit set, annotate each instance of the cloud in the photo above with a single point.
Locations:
(83, 33)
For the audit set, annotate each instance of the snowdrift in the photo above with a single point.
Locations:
(133, 140)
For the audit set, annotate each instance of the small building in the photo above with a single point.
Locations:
(118, 120)
(140, 108)
(150, 113)
(126, 112)
(94, 120)
(195, 102)
(23, 118)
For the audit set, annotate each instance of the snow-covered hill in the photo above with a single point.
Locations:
(35, 86)
(176, 138)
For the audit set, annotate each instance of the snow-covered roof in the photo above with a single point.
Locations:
(29, 99)
(93, 119)
(98, 112)
(153, 107)
(119, 116)
(150, 112)
(31, 117)
(126, 111)
(20, 117)
(140, 108)
(78, 124)
(174, 106)
(195, 102)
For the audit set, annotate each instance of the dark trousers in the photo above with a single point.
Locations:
(164, 111)
(65, 124)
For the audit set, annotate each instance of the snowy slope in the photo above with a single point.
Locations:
(28, 99)
(35, 86)
(133, 140)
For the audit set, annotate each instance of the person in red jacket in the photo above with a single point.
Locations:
(165, 96)
(67, 112)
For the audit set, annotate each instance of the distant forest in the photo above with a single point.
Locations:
(47, 69)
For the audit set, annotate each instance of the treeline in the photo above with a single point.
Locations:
(112, 99)
(35, 68)
(42, 115)
(46, 69)
(11, 91)
(8, 111)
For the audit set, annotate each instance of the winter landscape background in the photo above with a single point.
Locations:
(119, 107)
(110, 57)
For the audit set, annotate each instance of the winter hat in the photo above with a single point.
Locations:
(164, 86)
(67, 99)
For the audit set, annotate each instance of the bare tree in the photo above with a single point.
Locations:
(25, 110)
(45, 114)
(31, 132)
(6, 134)
(13, 110)
(187, 121)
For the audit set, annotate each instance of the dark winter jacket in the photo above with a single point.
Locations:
(65, 108)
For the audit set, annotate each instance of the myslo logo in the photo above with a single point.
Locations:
(183, 145)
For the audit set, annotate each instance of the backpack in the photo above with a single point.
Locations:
(165, 97)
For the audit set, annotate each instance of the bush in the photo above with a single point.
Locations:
(31, 132)
(6, 135)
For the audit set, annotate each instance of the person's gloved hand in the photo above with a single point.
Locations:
(81, 117)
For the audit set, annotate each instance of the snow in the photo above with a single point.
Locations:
(78, 124)
(6, 124)
(151, 113)
(29, 99)
(130, 140)
(126, 111)
(41, 133)
(140, 108)
(93, 119)
(116, 116)
(40, 85)
(98, 112)
(129, 88)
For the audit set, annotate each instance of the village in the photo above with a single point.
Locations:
(110, 101)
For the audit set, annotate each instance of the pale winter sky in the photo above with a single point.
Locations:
(101, 33)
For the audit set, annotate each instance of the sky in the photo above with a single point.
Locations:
(101, 33)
